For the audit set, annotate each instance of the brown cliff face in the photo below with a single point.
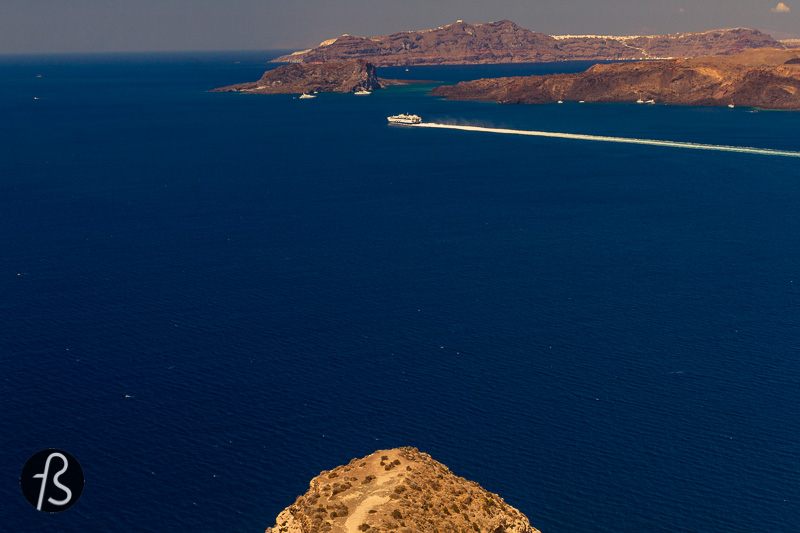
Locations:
(506, 42)
(458, 43)
(768, 79)
(341, 77)
(698, 44)
(400, 490)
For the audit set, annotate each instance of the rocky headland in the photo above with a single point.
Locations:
(400, 490)
(768, 79)
(506, 42)
(342, 77)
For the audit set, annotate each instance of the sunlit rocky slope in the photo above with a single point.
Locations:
(400, 490)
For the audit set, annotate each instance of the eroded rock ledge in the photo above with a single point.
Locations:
(768, 79)
(400, 490)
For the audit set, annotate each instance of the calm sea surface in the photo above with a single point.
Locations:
(209, 298)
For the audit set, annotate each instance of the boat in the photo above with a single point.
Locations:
(404, 118)
(561, 101)
(651, 101)
(731, 105)
(363, 91)
(306, 95)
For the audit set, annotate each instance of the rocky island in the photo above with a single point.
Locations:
(768, 79)
(506, 42)
(400, 490)
(343, 77)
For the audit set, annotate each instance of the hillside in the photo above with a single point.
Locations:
(768, 79)
(506, 42)
(400, 490)
(343, 77)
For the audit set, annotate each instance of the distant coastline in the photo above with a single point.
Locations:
(506, 42)
(768, 79)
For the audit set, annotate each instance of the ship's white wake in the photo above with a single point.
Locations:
(627, 140)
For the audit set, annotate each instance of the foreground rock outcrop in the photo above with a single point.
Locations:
(343, 77)
(400, 490)
(768, 79)
(506, 42)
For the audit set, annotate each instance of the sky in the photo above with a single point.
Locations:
(50, 26)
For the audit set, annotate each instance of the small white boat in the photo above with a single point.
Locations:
(363, 91)
(561, 101)
(651, 101)
(731, 105)
(306, 95)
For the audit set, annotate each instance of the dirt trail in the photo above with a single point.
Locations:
(357, 517)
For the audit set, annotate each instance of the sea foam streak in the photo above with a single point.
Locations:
(602, 138)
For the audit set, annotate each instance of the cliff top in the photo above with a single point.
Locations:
(402, 490)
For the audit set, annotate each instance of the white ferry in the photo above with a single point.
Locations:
(305, 95)
(404, 119)
(363, 91)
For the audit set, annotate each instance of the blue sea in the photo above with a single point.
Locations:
(209, 298)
